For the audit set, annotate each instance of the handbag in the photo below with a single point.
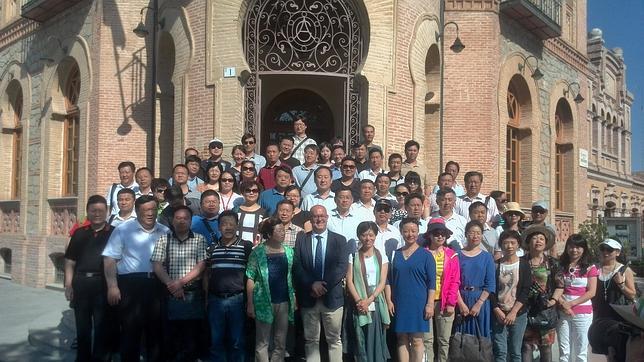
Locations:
(470, 348)
(544, 319)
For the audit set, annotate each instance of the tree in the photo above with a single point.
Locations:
(594, 233)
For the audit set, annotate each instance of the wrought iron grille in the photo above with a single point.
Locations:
(303, 36)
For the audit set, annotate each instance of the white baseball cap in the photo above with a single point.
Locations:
(611, 243)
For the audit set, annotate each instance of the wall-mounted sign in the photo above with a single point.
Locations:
(583, 158)
(229, 72)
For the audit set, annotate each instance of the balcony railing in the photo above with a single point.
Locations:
(542, 17)
(43, 10)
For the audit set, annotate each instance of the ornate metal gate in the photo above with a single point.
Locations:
(306, 37)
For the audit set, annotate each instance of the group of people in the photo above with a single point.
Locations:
(331, 257)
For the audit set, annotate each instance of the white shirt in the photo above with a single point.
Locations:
(365, 210)
(369, 174)
(112, 197)
(346, 226)
(132, 246)
(388, 233)
(315, 199)
(118, 220)
(456, 224)
(463, 204)
(314, 245)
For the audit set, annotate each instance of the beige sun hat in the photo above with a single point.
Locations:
(538, 229)
(513, 207)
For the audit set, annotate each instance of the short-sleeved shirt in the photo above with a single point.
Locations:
(316, 199)
(301, 174)
(228, 267)
(456, 224)
(132, 246)
(248, 226)
(116, 219)
(355, 187)
(181, 255)
(259, 161)
(576, 284)
(85, 248)
(463, 205)
(269, 199)
(290, 234)
(346, 226)
(507, 285)
(201, 224)
(369, 174)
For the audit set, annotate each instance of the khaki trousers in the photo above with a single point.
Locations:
(441, 328)
(332, 322)
(279, 327)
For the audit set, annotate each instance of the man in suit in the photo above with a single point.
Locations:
(321, 261)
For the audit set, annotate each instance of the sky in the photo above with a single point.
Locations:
(621, 23)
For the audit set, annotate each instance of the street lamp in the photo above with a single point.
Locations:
(456, 47)
(578, 98)
(142, 32)
(536, 74)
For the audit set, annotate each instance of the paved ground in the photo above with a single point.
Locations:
(37, 325)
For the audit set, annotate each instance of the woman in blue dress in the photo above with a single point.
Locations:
(477, 282)
(411, 293)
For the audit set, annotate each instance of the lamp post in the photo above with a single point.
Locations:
(456, 47)
(536, 74)
(142, 32)
(578, 98)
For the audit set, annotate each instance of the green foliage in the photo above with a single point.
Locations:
(593, 233)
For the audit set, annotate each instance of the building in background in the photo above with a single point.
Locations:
(77, 86)
(616, 195)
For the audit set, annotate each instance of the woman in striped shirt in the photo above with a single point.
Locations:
(580, 283)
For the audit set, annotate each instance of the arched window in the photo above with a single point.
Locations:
(14, 94)
(513, 145)
(563, 157)
(71, 136)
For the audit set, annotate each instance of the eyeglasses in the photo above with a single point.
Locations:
(538, 210)
(348, 167)
(251, 191)
(249, 142)
(248, 168)
(474, 233)
(437, 234)
(227, 180)
(403, 194)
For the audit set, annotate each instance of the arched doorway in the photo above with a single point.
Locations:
(312, 49)
(284, 109)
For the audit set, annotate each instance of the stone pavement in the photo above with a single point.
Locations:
(37, 325)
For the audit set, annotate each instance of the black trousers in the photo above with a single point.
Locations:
(139, 315)
(183, 340)
(93, 313)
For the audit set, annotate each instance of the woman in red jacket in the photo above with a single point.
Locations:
(448, 280)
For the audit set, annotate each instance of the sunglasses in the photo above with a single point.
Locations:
(439, 233)
(248, 168)
(348, 167)
(216, 146)
(383, 208)
(251, 191)
(160, 191)
(538, 211)
(227, 180)
(403, 194)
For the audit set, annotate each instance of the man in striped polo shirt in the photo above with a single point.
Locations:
(226, 310)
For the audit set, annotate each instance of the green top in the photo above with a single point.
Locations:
(359, 281)
(257, 270)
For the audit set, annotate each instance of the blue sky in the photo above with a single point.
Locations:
(621, 22)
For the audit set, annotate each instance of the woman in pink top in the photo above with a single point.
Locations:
(448, 280)
(580, 283)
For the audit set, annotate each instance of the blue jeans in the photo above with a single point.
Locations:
(507, 340)
(227, 317)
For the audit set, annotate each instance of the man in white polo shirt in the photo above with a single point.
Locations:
(131, 283)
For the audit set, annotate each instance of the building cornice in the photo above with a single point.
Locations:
(568, 54)
(16, 31)
(472, 5)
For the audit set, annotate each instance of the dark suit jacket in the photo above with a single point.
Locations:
(335, 269)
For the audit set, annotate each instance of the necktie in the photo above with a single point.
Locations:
(318, 267)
